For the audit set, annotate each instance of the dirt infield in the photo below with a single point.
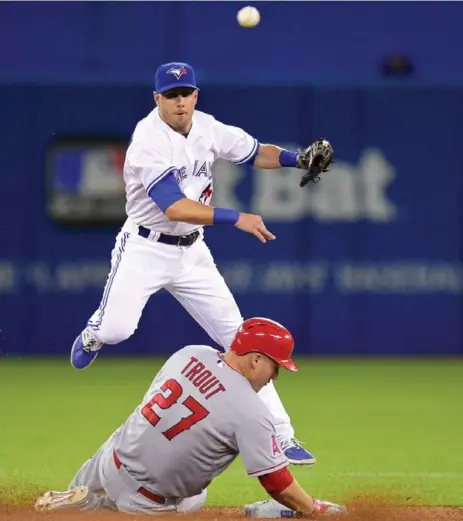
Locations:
(357, 512)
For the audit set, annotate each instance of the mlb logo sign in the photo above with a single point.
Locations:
(177, 72)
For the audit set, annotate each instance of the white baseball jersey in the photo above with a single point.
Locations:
(197, 415)
(156, 150)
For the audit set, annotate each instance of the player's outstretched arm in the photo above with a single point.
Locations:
(284, 488)
(313, 160)
(287, 492)
(272, 156)
(176, 207)
(294, 497)
(189, 211)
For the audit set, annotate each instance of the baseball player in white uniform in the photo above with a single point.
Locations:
(199, 413)
(169, 185)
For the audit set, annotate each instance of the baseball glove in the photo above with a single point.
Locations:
(315, 159)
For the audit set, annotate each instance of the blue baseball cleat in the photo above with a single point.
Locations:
(297, 455)
(84, 350)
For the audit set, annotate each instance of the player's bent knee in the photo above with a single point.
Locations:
(192, 504)
(115, 334)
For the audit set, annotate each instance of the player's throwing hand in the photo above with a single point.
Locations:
(254, 224)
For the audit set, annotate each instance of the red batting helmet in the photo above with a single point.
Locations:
(262, 335)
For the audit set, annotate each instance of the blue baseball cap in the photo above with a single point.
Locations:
(174, 74)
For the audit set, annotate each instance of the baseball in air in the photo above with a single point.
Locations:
(248, 17)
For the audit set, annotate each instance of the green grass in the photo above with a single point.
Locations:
(376, 425)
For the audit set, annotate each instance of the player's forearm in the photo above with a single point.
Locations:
(296, 498)
(188, 211)
(268, 157)
(272, 156)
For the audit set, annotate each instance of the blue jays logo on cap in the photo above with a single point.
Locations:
(175, 74)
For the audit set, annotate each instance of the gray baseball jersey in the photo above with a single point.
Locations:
(197, 415)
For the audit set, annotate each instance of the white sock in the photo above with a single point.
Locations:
(90, 340)
(283, 426)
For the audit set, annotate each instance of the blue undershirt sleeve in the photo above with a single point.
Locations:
(251, 160)
(166, 192)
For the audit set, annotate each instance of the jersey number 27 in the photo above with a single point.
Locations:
(198, 412)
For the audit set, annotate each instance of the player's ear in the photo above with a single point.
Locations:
(156, 97)
(255, 359)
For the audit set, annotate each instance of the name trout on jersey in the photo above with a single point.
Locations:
(202, 378)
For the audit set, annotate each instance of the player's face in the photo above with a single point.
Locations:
(264, 370)
(176, 107)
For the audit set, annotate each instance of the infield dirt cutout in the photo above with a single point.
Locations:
(367, 509)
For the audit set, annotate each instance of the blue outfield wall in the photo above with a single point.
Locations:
(368, 261)
(307, 41)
